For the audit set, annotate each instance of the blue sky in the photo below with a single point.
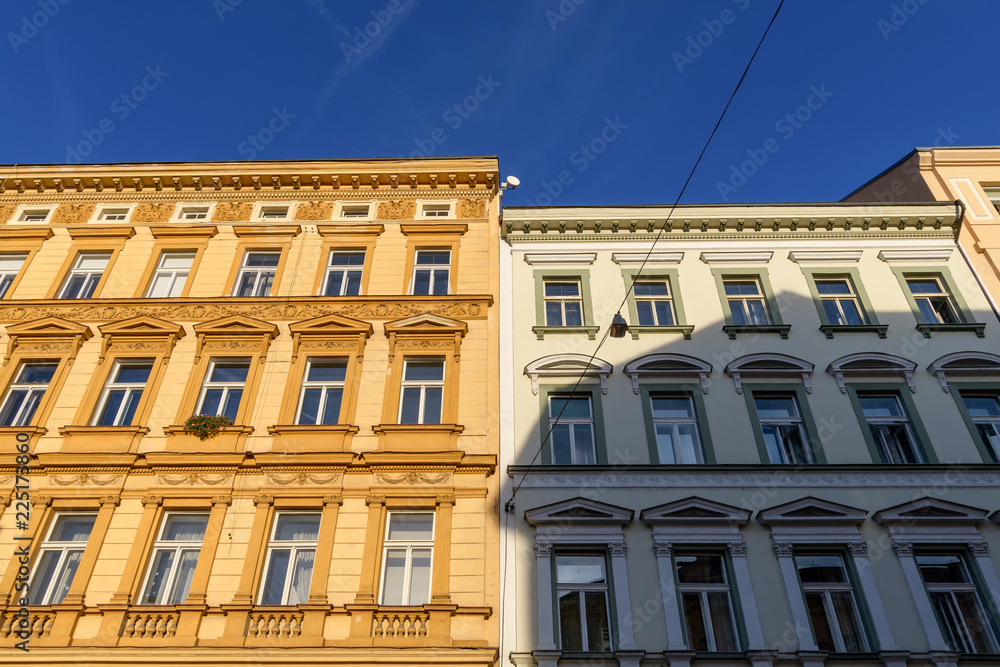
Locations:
(587, 102)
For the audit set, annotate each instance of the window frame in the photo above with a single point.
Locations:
(92, 239)
(324, 387)
(101, 209)
(159, 544)
(672, 278)
(25, 242)
(260, 211)
(342, 205)
(966, 322)
(181, 208)
(607, 588)
(423, 386)
(729, 587)
(12, 275)
(555, 420)
(541, 276)
(293, 546)
(243, 268)
(958, 392)
(386, 544)
(813, 441)
(451, 213)
(428, 235)
(48, 545)
(902, 392)
(157, 270)
(775, 323)
(199, 403)
(347, 237)
(975, 585)
(345, 268)
(693, 392)
(15, 383)
(176, 238)
(73, 270)
(853, 276)
(594, 393)
(24, 210)
(109, 386)
(860, 610)
(435, 268)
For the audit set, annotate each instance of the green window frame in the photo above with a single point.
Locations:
(966, 321)
(692, 391)
(775, 323)
(958, 390)
(902, 392)
(799, 392)
(974, 585)
(853, 276)
(672, 278)
(585, 550)
(593, 392)
(861, 607)
(713, 550)
(541, 329)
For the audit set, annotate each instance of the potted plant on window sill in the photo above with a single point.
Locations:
(206, 426)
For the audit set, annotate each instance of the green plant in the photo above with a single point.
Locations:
(206, 426)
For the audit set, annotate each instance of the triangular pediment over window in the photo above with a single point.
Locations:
(236, 325)
(579, 512)
(331, 325)
(930, 512)
(144, 325)
(694, 510)
(426, 323)
(47, 332)
(568, 366)
(812, 512)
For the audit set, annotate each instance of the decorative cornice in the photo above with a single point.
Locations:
(293, 308)
(652, 259)
(737, 257)
(818, 256)
(915, 255)
(574, 258)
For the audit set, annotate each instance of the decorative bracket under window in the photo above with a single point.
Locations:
(702, 379)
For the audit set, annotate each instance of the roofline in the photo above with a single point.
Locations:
(845, 204)
(884, 171)
(249, 162)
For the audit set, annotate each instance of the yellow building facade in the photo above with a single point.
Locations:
(342, 315)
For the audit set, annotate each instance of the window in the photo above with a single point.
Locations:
(831, 603)
(984, 409)
(193, 213)
(170, 274)
(256, 274)
(84, 275)
(431, 269)
(25, 393)
(571, 420)
(113, 214)
(10, 266)
(676, 428)
(582, 592)
(322, 391)
(782, 427)
(653, 303)
(122, 393)
(933, 300)
(563, 304)
(175, 555)
(956, 602)
(702, 582)
(422, 391)
(223, 387)
(435, 210)
(890, 428)
(290, 557)
(59, 557)
(273, 212)
(746, 301)
(35, 214)
(343, 273)
(840, 302)
(406, 558)
(993, 194)
(355, 210)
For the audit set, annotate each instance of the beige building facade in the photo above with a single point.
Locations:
(790, 458)
(970, 174)
(341, 316)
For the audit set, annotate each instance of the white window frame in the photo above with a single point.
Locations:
(825, 589)
(744, 299)
(703, 589)
(798, 420)
(852, 296)
(31, 388)
(426, 205)
(555, 420)
(7, 278)
(423, 385)
(323, 386)
(90, 273)
(172, 274)
(128, 387)
(580, 589)
(178, 547)
(562, 301)
(674, 421)
(927, 296)
(905, 420)
(993, 196)
(65, 548)
(951, 588)
(262, 208)
(226, 387)
(653, 300)
(102, 209)
(341, 207)
(345, 268)
(184, 207)
(258, 271)
(293, 547)
(25, 210)
(435, 270)
(409, 545)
